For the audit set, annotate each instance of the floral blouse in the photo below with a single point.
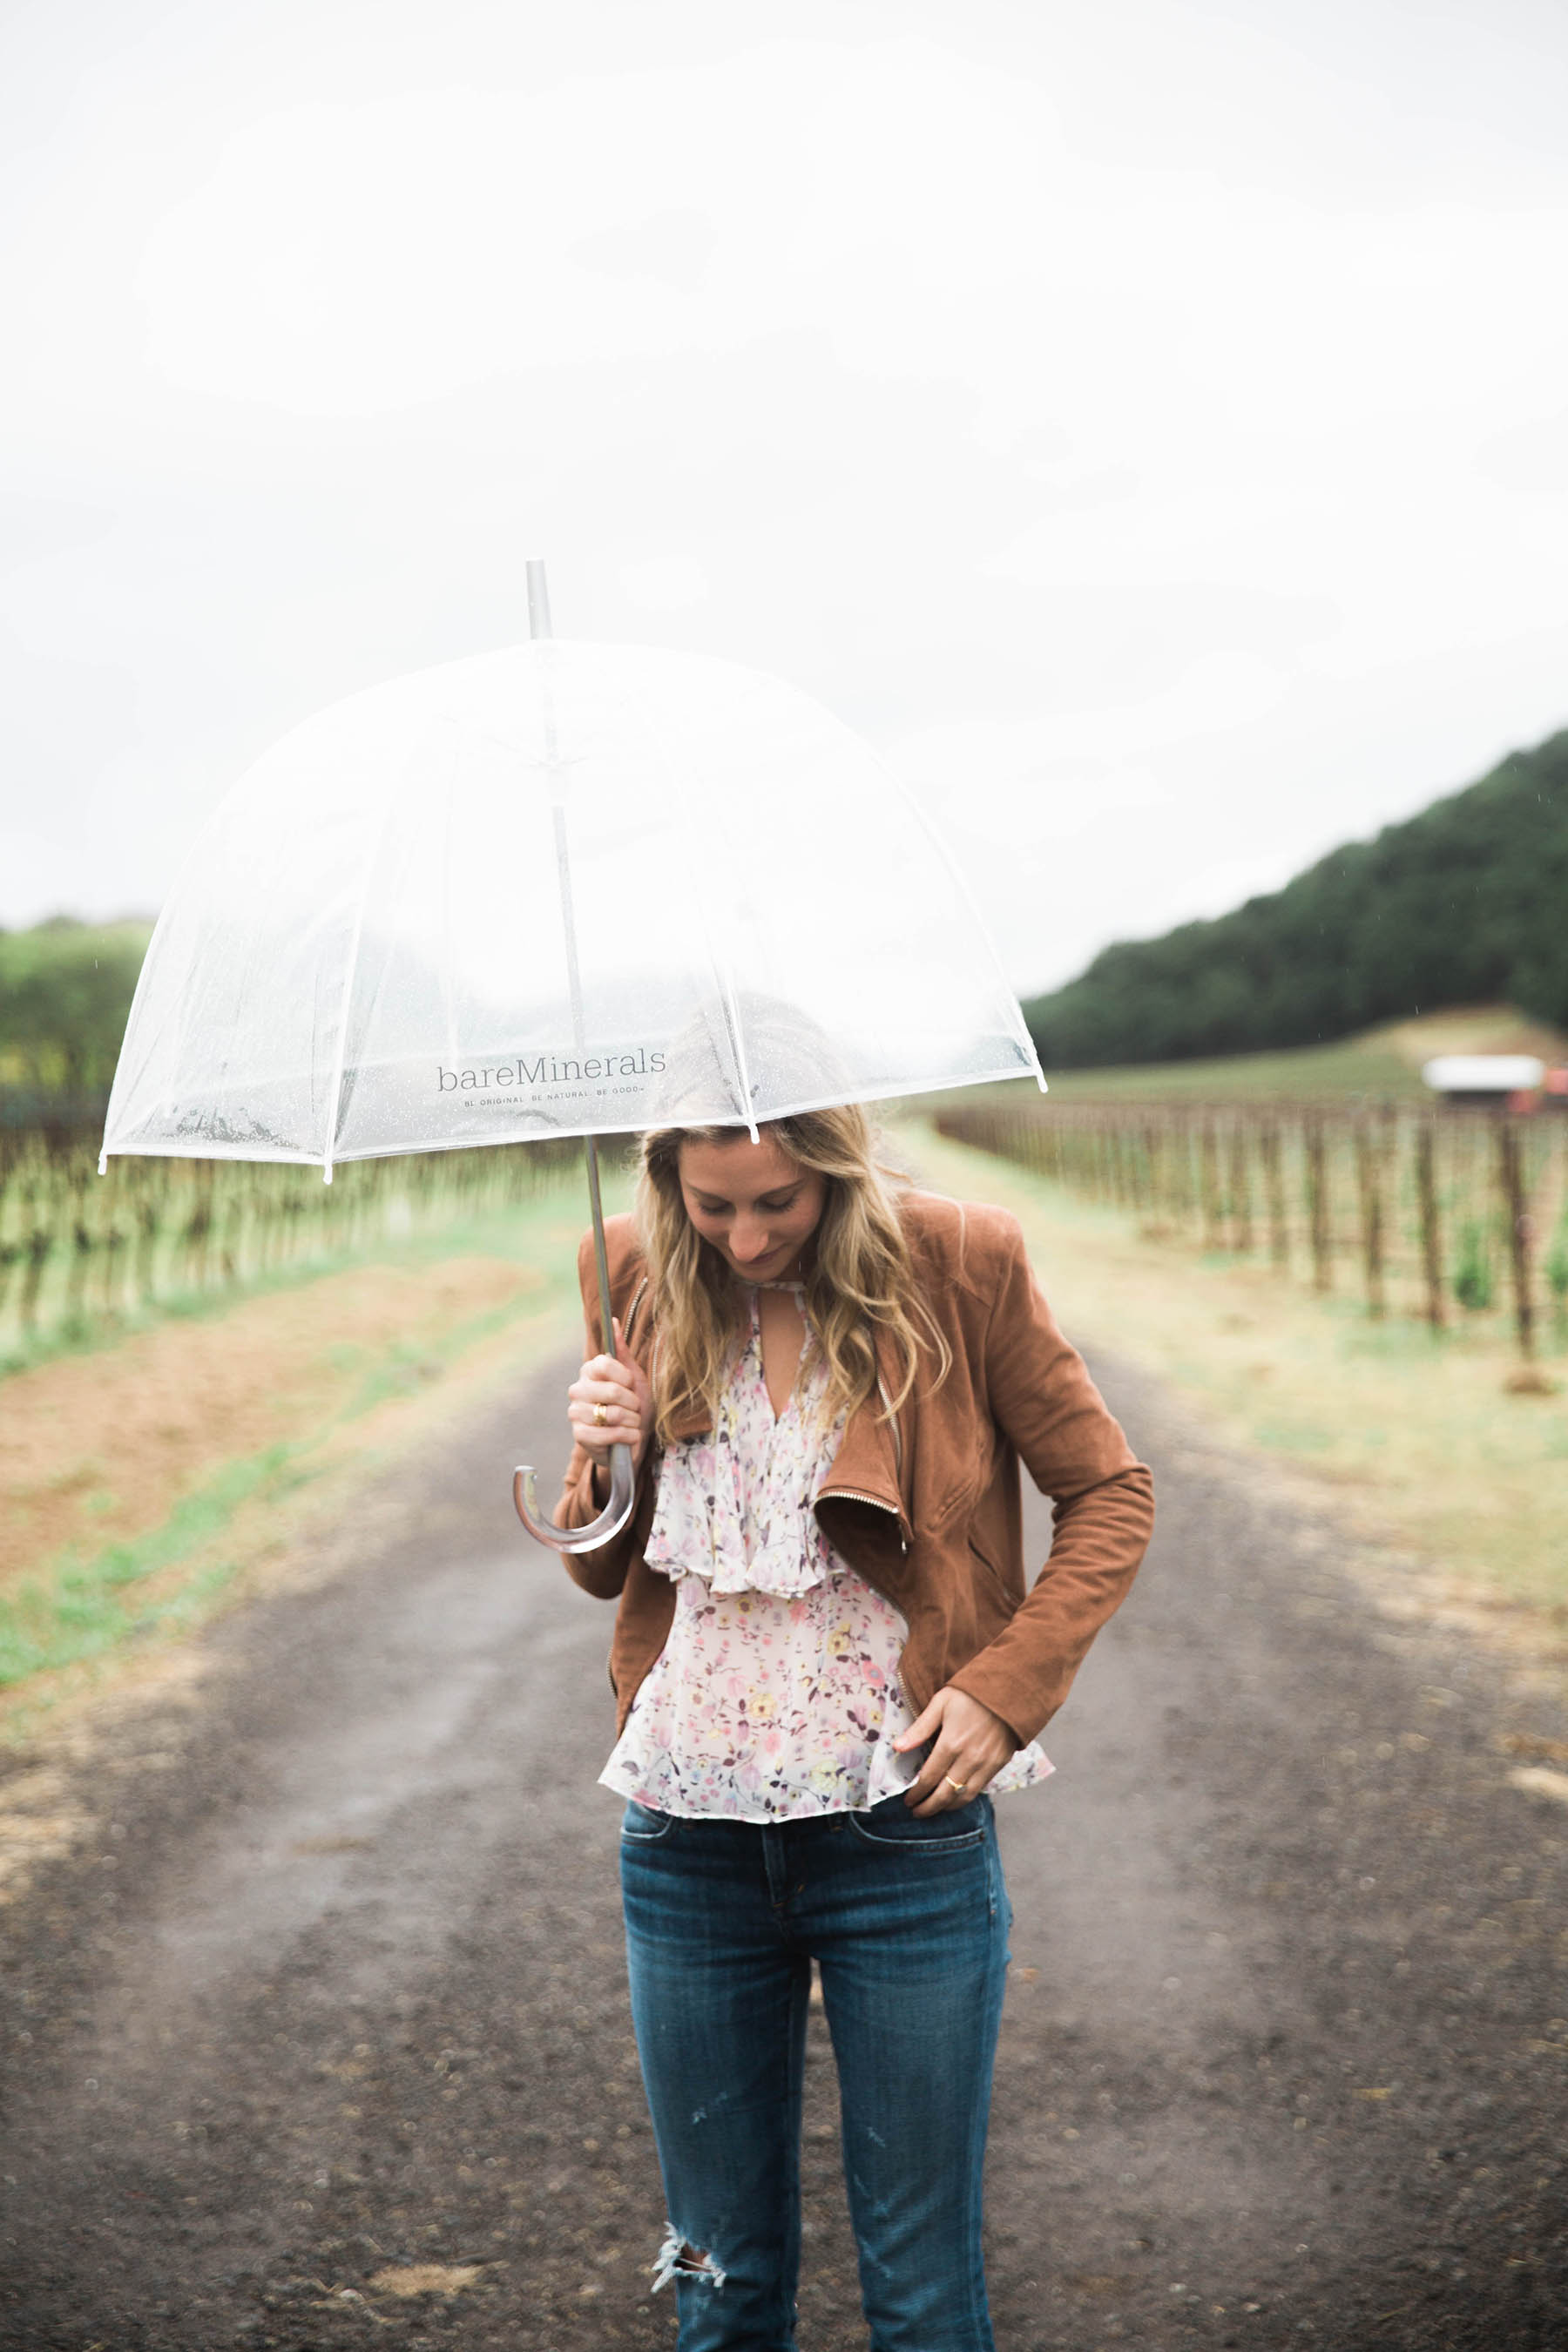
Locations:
(776, 1695)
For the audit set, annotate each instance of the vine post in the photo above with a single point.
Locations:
(1240, 1188)
(1431, 1229)
(1369, 1187)
(1208, 1164)
(1318, 1203)
(1510, 1181)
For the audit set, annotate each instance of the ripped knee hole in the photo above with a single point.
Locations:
(679, 2258)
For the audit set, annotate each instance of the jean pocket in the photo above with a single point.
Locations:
(640, 1825)
(892, 1823)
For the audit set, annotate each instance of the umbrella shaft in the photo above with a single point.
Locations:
(569, 928)
(606, 1318)
(538, 599)
(538, 627)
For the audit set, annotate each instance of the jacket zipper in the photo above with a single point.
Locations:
(849, 1495)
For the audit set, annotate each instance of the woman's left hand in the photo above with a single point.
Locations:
(969, 1747)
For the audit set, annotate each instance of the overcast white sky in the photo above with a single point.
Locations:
(1147, 421)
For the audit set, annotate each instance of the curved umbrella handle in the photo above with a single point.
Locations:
(610, 1521)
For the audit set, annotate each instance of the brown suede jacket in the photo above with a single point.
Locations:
(929, 1510)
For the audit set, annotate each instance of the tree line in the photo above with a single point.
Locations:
(1463, 904)
(65, 993)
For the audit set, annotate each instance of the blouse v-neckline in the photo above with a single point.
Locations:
(755, 1292)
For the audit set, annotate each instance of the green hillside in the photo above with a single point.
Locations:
(1380, 1065)
(1464, 904)
(65, 992)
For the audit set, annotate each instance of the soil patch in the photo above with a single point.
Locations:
(95, 1449)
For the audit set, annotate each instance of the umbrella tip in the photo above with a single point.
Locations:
(538, 598)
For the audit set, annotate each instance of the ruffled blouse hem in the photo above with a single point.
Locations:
(784, 1577)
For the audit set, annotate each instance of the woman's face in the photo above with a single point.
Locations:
(757, 1206)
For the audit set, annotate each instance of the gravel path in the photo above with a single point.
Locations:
(335, 1991)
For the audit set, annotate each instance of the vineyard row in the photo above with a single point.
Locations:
(1427, 1213)
(75, 1245)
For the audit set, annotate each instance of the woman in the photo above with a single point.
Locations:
(823, 1658)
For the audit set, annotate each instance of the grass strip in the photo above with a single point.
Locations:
(76, 1610)
(79, 1609)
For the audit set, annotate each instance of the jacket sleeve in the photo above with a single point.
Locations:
(602, 1571)
(1045, 1404)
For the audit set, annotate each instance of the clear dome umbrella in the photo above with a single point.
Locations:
(565, 889)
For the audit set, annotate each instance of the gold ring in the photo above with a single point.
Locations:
(601, 1415)
(959, 1785)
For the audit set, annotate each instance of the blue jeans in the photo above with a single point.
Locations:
(908, 1922)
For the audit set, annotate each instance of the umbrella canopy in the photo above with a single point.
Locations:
(562, 889)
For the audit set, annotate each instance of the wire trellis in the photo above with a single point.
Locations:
(78, 1249)
(1435, 1215)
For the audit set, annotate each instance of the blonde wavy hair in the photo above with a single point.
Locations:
(859, 1283)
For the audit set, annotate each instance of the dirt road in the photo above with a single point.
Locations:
(332, 2000)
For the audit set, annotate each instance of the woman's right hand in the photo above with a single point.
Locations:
(618, 1385)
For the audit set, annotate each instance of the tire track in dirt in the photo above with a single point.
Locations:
(333, 2001)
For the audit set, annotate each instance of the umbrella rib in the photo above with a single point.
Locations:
(737, 1044)
(124, 1081)
(369, 865)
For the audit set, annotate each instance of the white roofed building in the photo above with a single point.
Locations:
(1495, 1081)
